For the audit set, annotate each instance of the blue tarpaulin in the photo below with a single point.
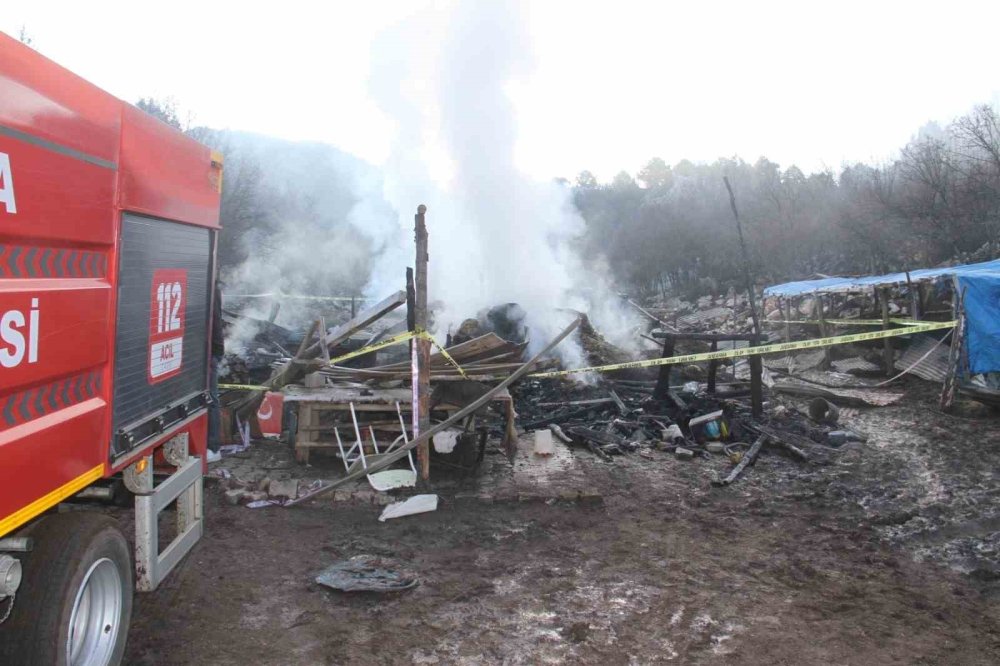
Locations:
(980, 283)
(846, 284)
(982, 321)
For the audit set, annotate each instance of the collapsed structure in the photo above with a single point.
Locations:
(352, 390)
(967, 294)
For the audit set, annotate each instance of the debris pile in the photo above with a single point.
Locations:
(611, 419)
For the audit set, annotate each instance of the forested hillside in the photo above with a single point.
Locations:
(939, 200)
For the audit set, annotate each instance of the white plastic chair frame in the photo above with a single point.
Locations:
(351, 460)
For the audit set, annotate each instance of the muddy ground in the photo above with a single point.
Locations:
(887, 553)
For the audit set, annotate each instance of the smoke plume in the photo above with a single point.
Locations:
(496, 235)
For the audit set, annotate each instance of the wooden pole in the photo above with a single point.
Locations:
(883, 293)
(950, 385)
(421, 349)
(824, 331)
(914, 297)
(756, 384)
(746, 259)
(713, 367)
(785, 307)
(663, 376)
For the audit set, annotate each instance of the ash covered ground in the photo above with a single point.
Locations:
(881, 552)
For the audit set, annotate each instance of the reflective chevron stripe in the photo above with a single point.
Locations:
(21, 261)
(23, 406)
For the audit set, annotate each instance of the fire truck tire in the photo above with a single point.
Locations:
(79, 573)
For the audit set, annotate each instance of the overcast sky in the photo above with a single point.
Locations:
(612, 83)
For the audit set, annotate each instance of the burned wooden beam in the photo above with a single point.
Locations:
(618, 402)
(748, 459)
(596, 441)
(597, 436)
(559, 434)
(402, 451)
(365, 318)
(780, 439)
(708, 337)
(577, 403)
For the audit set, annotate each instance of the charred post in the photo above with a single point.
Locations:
(824, 330)
(887, 344)
(756, 384)
(713, 367)
(421, 348)
(663, 377)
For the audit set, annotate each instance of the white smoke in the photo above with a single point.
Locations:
(496, 235)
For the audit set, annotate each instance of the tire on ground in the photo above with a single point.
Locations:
(66, 545)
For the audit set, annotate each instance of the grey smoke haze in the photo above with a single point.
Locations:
(285, 206)
(336, 225)
(496, 235)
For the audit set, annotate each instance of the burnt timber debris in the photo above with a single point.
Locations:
(355, 382)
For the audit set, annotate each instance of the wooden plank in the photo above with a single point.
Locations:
(363, 319)
(451, 421)
(477, 349)
(324, 348)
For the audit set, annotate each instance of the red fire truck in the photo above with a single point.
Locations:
(108, 227)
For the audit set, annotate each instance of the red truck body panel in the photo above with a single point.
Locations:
(73, 159)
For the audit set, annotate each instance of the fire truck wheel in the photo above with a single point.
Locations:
(75, 600)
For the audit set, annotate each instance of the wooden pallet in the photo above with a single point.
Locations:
(312, 435)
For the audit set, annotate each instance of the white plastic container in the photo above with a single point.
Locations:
(543, 443)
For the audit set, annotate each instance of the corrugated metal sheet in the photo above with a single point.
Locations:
(856, 364)
(934, 368)
(703, 316)
(802, 361)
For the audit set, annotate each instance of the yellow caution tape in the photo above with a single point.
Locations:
(916, 327)
(398, 339)
(845, 322)
(381, 344)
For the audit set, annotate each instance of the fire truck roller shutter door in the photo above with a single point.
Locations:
(161, 351)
